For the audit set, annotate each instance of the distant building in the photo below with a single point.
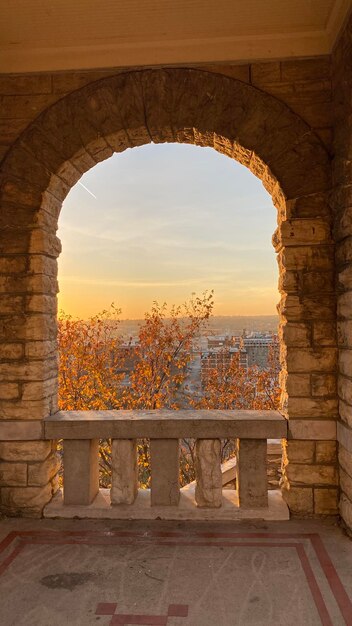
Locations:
(257, 348)
(219, 356)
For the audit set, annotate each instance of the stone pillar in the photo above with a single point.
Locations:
(124, 481)
(251, 473)
(308, 355)
(165, 465)
(28, 368)
(81, 470)
(341, 199)
(208, 473)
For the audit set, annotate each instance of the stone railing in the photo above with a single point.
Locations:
(81, 431)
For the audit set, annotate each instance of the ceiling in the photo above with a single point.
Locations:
(41, 35)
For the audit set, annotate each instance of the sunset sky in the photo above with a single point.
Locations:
(162, 221)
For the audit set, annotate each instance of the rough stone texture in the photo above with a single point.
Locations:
(341, 199)
(29, 500)
(252, 481)
(299, 451)
(24, 450)
(326, 452)
(13, 474)
(208, 473)
(165, 487)
(326, 501)
(39, 474)
(299, 499)
(275, 118)
(124, 479)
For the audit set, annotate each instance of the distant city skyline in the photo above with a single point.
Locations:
(161, 222)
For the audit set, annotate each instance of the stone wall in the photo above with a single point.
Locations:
(243, 118)
(305, 86)
(342, 203)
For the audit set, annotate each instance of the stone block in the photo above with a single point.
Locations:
(81, 470)
(124, 468)
(208, 473)
(40, 349)
(344, 436)
(326, 501)
(345, 277)
(25, 84)
(323, 385)
(307, 258)
(13, 474)
(10, 303)
(344, 305)
(345, 389)
(165, 487)
(26, 409)
(9, 391)
(345, 507)
(299, 500)
(306, 69)
(326, 452)
(299, 451)
(25, 501)
(345, 362)
(264, 73)
(311, 360)
(295, 333)
(305, 231)
(40, 473)
(345, 460)
(12, 351)
(297, 385)
(252, 481)
(314, 475)
(346, 483)
(24, 450)
(17, 430)
(345, 412)
(38, 390)
(324, 333)
(312, 407)
(344, 333)
(310, 307)
(315, 283)
(312, 429)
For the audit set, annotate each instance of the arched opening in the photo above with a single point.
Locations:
(204, 109)
(157, 224)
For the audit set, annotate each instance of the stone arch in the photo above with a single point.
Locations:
(168, 105)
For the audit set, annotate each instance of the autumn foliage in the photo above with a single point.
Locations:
(96, 372)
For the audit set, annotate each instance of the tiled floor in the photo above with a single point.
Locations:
(174, 574)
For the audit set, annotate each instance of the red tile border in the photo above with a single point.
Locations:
(106, 608)
(130, 537)
(178, 610)
(142, 620)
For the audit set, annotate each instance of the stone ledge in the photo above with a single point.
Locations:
(187, 509)
(165, 424)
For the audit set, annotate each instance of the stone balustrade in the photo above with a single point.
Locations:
(81, 431)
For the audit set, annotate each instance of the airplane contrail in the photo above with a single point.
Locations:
(86, 188)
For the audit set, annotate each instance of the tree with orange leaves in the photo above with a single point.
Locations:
(92, 369)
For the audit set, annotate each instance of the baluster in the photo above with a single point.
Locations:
(124, 483)
(252, 481)
(165, 483)
(208, 473)
(81, 470)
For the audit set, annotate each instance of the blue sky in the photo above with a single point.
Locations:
(165, 221)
